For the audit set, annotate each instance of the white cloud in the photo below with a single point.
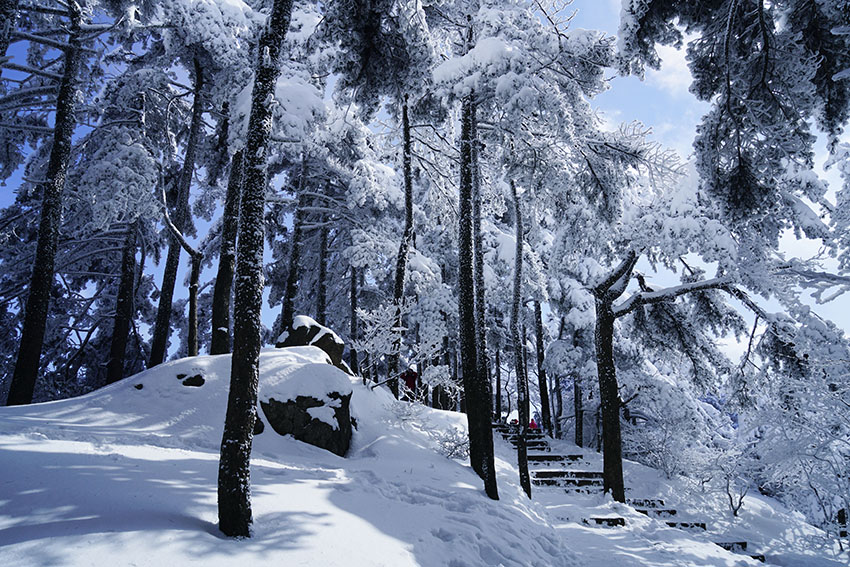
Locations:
(674, 76)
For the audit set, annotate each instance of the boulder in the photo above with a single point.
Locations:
(305, 331)
(311, 420)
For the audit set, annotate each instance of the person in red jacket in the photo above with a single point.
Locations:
(533, 424)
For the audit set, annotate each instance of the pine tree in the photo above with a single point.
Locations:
(234, 500)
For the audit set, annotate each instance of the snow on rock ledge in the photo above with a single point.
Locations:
(310, 401)
(306, 331)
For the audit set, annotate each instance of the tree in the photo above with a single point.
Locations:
(519, 353)
(38, 298)
(234, 501)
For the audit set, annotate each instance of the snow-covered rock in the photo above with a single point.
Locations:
(306, 331)
(310, 401)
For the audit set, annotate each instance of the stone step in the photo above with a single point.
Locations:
(567, 482)
(659, 512)
(530, 437)
(732, 545)
(609, 522)
(565, 474)
(535, 447)
(687, 525)
(759, 557)
(645, 502)
(547, 458)
(530, 442)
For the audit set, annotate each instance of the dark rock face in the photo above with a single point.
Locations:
(197, 380)
(259, 426)
(292, 418)
(308, 332)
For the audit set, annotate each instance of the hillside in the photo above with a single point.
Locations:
(127, 475)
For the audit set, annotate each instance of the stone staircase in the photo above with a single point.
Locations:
(552, 470)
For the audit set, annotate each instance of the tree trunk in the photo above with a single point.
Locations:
(322, 287)
(234, 475)
(194, 277)
(8, 17)
(288, 310)
(478, 241)
(352, 352)
(559, 411)
(498, 369)
(123, 309)
(578, 410)
(162, 327)
(475, 386)
(519, 358)
(403, 248)
(612, 461)
(41, 282)
(541, 374)
(222, 291)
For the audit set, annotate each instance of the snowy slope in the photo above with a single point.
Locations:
(127, 476)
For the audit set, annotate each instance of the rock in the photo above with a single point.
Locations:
(181, 376)
(305, 331)
(197, 380)
(296, 418)
(259, 426)
(139, 386)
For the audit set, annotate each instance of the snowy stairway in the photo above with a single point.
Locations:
(612, 522)
(657, 512)
(687, 525)
(739, 547)
(550, 459)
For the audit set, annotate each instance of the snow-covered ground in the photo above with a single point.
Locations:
(127, 476)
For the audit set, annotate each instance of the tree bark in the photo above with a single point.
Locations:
(403, 248)
(8, 17)
(578, 410)
(541, 374)
(234, 476)
(288, 310)
(38, 299)
(475, 385)
(322, 287)
(226, 260)
(162, 327)
(498, 369)
(123, 309)
(352, 352)
(519, 358)
(612, 460)
(194, 283)
(478, 241)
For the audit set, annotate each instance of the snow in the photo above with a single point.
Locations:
(128, 476)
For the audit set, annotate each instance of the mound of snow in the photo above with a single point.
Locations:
(128, 476)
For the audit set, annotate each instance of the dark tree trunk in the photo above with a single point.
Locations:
(541, 374)
(612, 461)
(288, 310)
(38, 299)
(559, 412)
(234, 475)
(403, 248)
(162, 327)
(498, 369)
(194, 283)
(322, 287)
(478, 241)
(8, 17)
(222, 291)
(352, 352)
(519, 358)
(475, 385)
(123, 309)
(578, 410)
